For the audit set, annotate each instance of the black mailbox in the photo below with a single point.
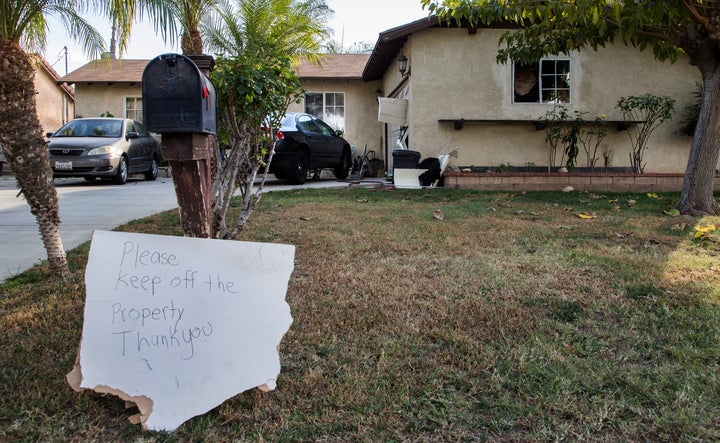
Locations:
(177, 97)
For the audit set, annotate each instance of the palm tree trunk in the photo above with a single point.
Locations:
(25, 149)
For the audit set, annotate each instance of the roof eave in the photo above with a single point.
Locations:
(389, 44)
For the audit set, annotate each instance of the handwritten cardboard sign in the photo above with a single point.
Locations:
(178, 325)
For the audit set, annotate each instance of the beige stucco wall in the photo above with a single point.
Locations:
(98, 98)
(361, 124)
(54, 106)
(454, 75)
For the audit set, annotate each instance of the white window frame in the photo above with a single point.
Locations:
(137, 111)
(545, 87)
(326, 116)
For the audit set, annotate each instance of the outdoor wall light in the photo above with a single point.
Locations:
(403, 64)
(378, 94)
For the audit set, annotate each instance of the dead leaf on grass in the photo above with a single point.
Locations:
(305, 218)
(438, 215)
(653, 195)
(586, 215)
(631, 202)
(624, 234)
(678, 227)
(362, 200)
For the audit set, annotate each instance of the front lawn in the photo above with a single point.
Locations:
(431, 315)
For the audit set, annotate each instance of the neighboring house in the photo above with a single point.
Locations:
(108, 87)
(55, 101)
(459, 96)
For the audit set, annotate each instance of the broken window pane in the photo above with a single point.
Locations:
(547, 81)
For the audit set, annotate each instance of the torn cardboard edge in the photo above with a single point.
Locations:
(144, 404)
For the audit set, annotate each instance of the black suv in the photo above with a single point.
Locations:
(305, 143)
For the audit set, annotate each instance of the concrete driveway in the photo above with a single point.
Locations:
(85, 207)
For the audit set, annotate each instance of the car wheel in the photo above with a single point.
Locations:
(280, 175)
(342, 170)
(122, 172)
(152, 174)
(298, 173)
(89, 178)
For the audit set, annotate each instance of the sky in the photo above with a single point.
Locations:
(354, 21)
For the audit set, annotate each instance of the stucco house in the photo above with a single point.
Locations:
(458, 96)
(55, 101)
(336, 92)
(455, 96)
(108, 86)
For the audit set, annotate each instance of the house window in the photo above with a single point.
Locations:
(547, 81)
(328, 107)
(133, 108)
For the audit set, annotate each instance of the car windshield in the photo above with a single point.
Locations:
(91, 128)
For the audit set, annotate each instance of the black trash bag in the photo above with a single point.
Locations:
(428, 177)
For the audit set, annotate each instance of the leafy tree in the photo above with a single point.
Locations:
(257, 42)
(670, 28)
(649, 109)
(23, 26)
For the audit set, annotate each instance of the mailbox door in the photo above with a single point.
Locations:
(177, 97)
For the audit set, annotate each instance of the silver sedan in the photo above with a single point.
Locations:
(102, 147)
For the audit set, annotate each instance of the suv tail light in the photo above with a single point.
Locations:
(280, 135)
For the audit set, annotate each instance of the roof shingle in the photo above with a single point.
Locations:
(110, 71)
(335, 66)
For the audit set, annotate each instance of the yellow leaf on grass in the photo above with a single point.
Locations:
(701, 231)
(653, 195)
(585, 215)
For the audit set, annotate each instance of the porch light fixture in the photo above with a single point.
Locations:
(403, 64)
(378, 94)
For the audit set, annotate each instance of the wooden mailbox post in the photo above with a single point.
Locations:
(179, 102)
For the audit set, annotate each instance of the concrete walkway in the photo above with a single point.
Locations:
(85, 207)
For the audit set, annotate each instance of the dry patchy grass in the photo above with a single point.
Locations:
(511, 319)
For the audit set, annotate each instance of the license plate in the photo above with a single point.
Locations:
(63, 166)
